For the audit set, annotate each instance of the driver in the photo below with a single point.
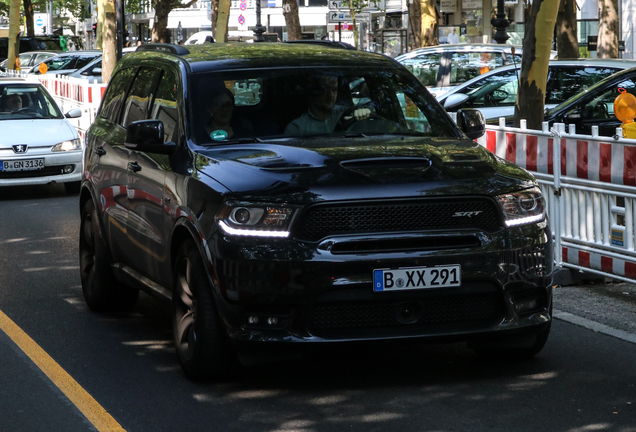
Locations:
(13, 102)
(323, 115)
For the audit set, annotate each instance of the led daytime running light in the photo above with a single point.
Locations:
(252, 233)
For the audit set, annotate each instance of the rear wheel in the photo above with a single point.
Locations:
(200, 341)
(102, 292)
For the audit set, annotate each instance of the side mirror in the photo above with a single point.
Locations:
(472, 122)
(74, 113)
(96, 71)
(147, 136)
(454, 100)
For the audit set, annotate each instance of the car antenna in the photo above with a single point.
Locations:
(514, 62)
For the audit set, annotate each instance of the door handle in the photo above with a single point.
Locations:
(100, 151)
(134, 166)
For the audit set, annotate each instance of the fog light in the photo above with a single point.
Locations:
(527, 305)
(252, 320)
(68, 169)
(272, 320)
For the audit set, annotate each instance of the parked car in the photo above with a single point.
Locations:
(39, 145)
(93, 70)
(30, 43)
(68, 62)
(200, 37)
(30, 59)
(325, 43)
(284, 195)
(442, 67)
(495, 93)
(593, 107)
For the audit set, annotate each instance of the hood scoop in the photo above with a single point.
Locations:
(387, 169)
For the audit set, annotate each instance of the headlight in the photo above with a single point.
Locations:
(67, 146)
(524, 207)
(257, 220)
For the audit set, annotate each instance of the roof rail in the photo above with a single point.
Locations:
(164, 47)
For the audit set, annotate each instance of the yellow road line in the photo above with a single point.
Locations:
(92, 410)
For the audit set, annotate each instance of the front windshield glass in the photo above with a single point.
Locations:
(288, 103)
(26, 101)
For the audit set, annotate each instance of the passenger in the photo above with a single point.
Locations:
(323, 115)
(222, 123)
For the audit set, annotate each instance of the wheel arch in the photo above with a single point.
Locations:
(185, 230)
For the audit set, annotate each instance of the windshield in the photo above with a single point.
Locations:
(287, 103)
(26, 101)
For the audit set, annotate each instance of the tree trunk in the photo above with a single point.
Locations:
(566, 34)
(215, 14)
(100, 23)
(607, 29)
(28, 16)
(109, 41)
(162, 9)
(292, 21)
(415, 24)
(429, 29)
(14, 33)
(222, 20)
(537, 44)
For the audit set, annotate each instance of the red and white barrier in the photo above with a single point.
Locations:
(588, 183)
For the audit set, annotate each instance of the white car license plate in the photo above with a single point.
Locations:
(417, 278)
(22, 165)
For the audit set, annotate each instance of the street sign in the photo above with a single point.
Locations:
(336, 5)
(344, 5)
(338, 16)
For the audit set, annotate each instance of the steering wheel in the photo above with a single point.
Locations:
(27, 110)
(600, 111)
(347, 120)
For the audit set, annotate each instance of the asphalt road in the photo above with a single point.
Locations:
(74, 370)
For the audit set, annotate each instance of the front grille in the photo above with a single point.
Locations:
(321, 221)
(44, 172)
(451, 309)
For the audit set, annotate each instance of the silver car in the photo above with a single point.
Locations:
(442, 67)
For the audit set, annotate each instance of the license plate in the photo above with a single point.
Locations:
(22, 165)
(416, 278)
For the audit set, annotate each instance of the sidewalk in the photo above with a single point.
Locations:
(610, 304)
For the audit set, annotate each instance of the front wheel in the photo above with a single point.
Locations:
(200, 341)
(102, 292)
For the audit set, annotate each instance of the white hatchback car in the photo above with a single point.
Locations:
(38, 145)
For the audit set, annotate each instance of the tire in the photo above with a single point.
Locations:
(102, 292)
(200, 341)
(72, 187)
(513, 348)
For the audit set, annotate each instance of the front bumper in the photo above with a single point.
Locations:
(58, 167)
(292, 291)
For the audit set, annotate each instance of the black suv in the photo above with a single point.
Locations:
(290, 195)
(30, 43)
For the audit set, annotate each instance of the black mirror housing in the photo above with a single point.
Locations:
(471, 122)
(147, 136)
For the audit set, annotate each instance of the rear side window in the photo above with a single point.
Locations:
(468, 65)
(425, 68)
(140, 96)
(83, 61)
(114, 97)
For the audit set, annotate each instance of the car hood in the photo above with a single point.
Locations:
(358, 168)
(36, 132)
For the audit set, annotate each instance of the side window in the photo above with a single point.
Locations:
(465, 66)
(114, 97)
(602, 107)
(425, 68)
(497, 90)
(140, 95)
(165, 106)
(83, 61)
